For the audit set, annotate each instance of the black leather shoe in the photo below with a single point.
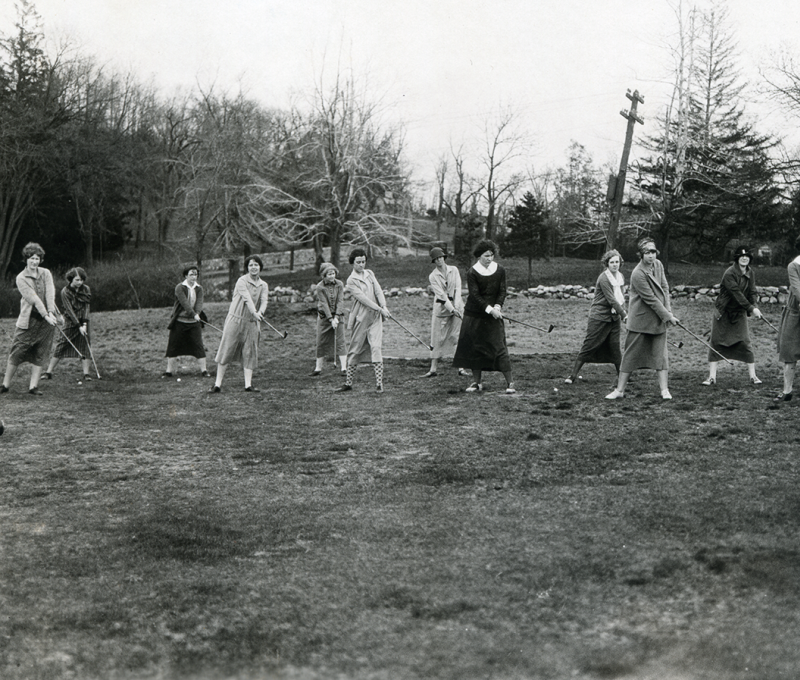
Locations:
(215, 389)
(3, 389)
(783, 397)
(86, 377)
(315, 373)
(344, 388)
(48, 376)
(205, 374)
(251, 389)
(35, 392)
(166, 374)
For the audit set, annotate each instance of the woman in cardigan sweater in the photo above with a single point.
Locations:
(789, 330)
(330, 312)
(649, 313)
(601, 344)
(38, 316)
(730, 335)
(75, 299)
(185, 324)
(448, 309)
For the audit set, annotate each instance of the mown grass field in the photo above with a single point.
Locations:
(149, 529)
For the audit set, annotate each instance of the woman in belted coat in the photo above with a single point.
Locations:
(448, 309)
(789, 330)
(649, 314)
(730, 335)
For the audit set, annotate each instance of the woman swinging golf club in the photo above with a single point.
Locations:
(601, 344)
(242, 328)
(365, 322)
(74, 340)
(649, 314)
(730, 335)
(448, 309)
(185, 324)
(789, 329)
(38, 317)
(330, 313)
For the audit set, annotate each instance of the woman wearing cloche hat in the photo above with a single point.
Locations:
(448, 308)
(730, 335)
(330, 313)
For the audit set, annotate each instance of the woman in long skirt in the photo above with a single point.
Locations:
(649, 313)
(330, 313)
(730, 335)
(242, 328)
(789, 329)
(448, 309)
(601, 344)
(365, 322)
(185, 324)
(482, 340)
(75, 299)
(38, 316)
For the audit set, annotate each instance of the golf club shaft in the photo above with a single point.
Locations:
(699, 339)
(764, 319)
(210, 325)
(91, 354)
(430, 347)
(283, 335)
(66, 337)
(522, 323)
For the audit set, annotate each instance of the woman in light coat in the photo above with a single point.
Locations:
(649, 314)
(789, 329)
(448, 309)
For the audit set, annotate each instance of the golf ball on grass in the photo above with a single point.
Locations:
(179, 379)
(80, 383)
(555, 389)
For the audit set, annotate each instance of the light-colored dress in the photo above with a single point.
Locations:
(445, 326)
(365, 322)
(242, 330)
(789, 330)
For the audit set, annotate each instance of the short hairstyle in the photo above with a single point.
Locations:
(482, 246)
(253, 258)
(356, 252)
(75, 271)
(642, 243)
(608, 255)
(32, 249)
(186, 270)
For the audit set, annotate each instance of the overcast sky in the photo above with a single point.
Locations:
(441, 65)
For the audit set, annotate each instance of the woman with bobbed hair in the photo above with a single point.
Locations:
(75, 298)
(789, 329)
(448, 309)
(482, 339)
(38, 316)
(730, 335)
(649, 313)
(365, 322)
(330, 313)
(185, 324)
(601, 344)
(242, 329)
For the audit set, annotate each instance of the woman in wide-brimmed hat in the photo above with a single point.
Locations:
(730, 335)
(789, 330)
(330, 313)
(186, 324)
(75, 299)
(448, 309)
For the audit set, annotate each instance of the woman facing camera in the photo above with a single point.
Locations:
(185, 324)
(448, 309)
(601, 344)
(75, 298)
(37, 319)
(330, 312)
(482, 340)
(649, 314)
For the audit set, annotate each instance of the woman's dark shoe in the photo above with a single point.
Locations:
(3, 389)
(344, 388)
(205, 374)
(783, 396)
(251, 389)
(166, 374)
(315, 373)
(86, 377)
(215, 389)
(35, 392)
(48, 376)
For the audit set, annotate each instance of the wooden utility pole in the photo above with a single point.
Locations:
(617, 188)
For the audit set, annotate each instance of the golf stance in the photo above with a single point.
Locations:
(448, 309)
(185, 327)
(482, 340)
(242, 328)
(649, 314)
(38, 316)
(601, 344)
(730, 335)
(330, 313)
(365, 322)
(789, 328)
(74, 341)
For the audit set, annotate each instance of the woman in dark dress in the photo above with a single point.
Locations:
(185, 324)
(75, 298)
(482, 340)
(730, 335)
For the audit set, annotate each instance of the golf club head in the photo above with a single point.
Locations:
(550, 328)
(285, 333)
(680, 344)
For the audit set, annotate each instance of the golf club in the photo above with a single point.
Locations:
(211, 325)
(699, 339)
(676, 344)
(430, 347)
(91, 354)
(522, 323)
(283, 335)
(764, 319)
(66, 337)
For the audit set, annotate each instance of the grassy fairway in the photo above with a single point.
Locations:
(152, 530)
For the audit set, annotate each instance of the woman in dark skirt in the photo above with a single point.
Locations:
(330, 313)
(185, 325)
(649, 313)
(38, 316)
(730, 335)
(789, 329)
(601, 344)
(482, 339)
(75, 298)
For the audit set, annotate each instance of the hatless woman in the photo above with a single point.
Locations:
(365, 322)
(601, 344)
(38, 316)
(185, 324)
(482, 339)
(730, 335)
(448, 309)
(75, 299)
(242, 329)
(649, 314)
(789, 329)
(330, 313)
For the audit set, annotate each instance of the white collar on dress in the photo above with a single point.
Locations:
(189, 285)
(485, 271)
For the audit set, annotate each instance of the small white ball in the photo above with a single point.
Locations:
(179, 379)
(80, 383)
(555, 389)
